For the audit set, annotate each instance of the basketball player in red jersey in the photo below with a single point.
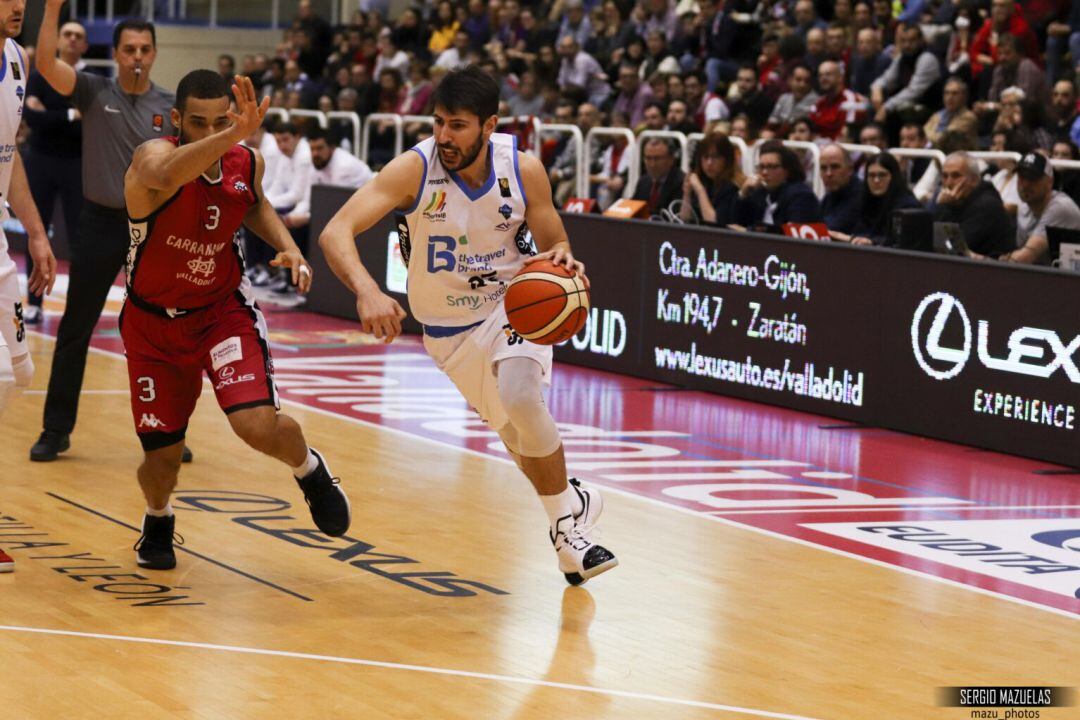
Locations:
(188, 308)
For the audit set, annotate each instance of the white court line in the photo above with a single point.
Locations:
(898, 508)
(412, 668)
(668, 506)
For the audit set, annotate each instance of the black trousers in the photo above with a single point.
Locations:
(96, 257)
(51, 177)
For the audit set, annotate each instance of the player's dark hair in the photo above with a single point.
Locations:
(318, 132)
(469, 89)
(135, 25)
(201, 85)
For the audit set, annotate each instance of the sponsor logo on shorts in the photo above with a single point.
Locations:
(150, 420)
(226, 352)
(228, 377)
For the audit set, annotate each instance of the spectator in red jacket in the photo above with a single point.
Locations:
(837, 106)
(1005, 18)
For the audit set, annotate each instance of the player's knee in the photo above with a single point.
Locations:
(162, 466)
(259, 434)
(23, 371)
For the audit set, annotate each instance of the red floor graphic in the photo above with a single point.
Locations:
(989, 521)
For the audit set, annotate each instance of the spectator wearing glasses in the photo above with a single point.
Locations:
(711, 190)
(778, 193)
(955, 116)
(885, 191)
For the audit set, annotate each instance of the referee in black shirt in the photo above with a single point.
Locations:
(54, 163)
(118, 115)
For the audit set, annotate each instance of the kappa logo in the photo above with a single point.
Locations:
(199, 266)
(436, 208)
(150, 420)
(1036, 352)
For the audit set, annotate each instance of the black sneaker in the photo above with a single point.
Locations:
(327, 501)
(155, 547)
(49, 444)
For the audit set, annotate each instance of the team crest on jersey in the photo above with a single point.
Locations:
(159, 123)
(436, 208)
(506, 211)
(504, 187)
(240, 186)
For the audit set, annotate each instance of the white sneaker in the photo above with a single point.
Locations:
(593, 502)
(579, 557)
(32, 315)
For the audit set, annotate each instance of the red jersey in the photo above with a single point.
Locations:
(186, 254)
(831, 114)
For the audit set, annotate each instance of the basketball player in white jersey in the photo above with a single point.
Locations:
(463, 198)
(16, 366)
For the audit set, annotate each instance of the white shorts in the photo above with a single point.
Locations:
(12, 328)
(471, 360)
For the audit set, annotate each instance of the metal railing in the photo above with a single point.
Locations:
(581, 170)
(631, 145)
(995, 155)
(684, 147)
(858, 149)
(746, 154)
(317, 115)
(399, 132)
(532, 120)
(355, 121)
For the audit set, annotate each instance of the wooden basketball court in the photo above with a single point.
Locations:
(444, 601)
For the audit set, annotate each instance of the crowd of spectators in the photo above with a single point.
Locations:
(951, 75)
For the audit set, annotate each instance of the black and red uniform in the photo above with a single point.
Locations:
(189, 308)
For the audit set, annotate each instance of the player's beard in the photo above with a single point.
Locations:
(467, 158)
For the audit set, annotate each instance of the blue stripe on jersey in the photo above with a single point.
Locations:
(423, 181)
(3, 64)
(481, 191)
(517, 172)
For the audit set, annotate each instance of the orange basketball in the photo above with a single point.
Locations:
(546, 303)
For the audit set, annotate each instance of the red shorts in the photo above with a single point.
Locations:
(166, 358)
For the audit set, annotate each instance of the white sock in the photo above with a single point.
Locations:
(559, 506)
(307, 467)
(163, 512)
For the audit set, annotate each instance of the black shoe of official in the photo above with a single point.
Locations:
(154, 550)
(327, 501)
(187, 455)
(49, 444)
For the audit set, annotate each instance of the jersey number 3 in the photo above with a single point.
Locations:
(214, 218)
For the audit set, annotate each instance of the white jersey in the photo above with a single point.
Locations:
(462, 246)
(12, 91)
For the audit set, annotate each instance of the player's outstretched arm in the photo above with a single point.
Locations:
(264, 221)
(159, 165)
(395, 187)
(543, 219)
(57, 72)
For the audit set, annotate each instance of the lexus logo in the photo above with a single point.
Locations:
(227, 372)
(926, 343)
(1031, 351)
